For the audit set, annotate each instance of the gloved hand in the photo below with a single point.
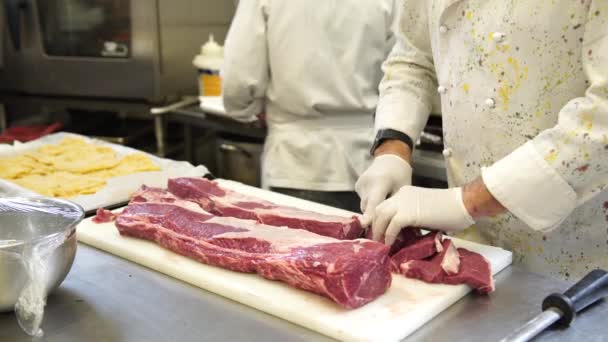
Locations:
(387, 174)
(441, 209)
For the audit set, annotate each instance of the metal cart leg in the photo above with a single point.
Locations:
(160, 131)
(2, 119)
(160, 125)
(188, 144)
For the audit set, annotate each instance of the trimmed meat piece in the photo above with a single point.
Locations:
(451, 266)
(425, 247)
(224, 202)
(430, 270)
(405, 238)
(103, 216)
(475, 271)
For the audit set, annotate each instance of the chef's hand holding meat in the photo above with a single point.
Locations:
(441, 209)
(383, 178)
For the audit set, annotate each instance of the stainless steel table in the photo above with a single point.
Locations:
(194, 116)
(106, 298)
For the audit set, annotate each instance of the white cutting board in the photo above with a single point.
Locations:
(406, 306)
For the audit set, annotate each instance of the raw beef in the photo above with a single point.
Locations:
(405, 238)
(104, 215)
(433, 261)
(423, 248)
(351, 273)
(433, 270)
(475, 271)
(224, 202)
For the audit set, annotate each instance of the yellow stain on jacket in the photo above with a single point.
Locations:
(511, 77)
(570, 135)
(503, 48)
(505, 95)
(469, 15)
(586, 156)
(543, 108)
(466, 88)
(587, 120)
(552, 156)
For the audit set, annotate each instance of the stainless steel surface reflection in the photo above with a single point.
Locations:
(26, 222)
(106, 298)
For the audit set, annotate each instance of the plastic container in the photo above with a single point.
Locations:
(209, 64)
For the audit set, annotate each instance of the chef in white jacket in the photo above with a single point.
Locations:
(313, 67)
(523, 87)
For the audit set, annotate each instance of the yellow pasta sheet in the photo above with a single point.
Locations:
(71, 167)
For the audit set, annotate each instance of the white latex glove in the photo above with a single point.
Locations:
(387, 174)
(441, 209)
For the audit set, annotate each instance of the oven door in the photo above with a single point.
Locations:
(92, 48)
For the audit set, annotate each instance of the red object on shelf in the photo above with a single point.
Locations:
(28, 133)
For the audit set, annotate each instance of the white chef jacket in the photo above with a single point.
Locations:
(524, 96)
(314, 68)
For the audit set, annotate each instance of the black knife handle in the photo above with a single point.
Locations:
(593, 287)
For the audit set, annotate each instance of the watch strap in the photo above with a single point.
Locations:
(391, 134)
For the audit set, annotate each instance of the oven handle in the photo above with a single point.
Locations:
(13, 14)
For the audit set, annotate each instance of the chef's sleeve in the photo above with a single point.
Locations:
(409, 82)
(544, 180)
(392, 28)
(246, 70)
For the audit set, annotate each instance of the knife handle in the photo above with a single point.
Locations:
(590, 289)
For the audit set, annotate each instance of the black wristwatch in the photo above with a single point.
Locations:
(386, 134)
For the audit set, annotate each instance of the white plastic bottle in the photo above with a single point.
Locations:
(209, 64)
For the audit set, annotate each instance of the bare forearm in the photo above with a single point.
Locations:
(396, 147)
(479, 201)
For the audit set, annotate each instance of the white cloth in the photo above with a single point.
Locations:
(524, 91)
(440, 209)
(313, 67)
(319, 155)
(387, 174)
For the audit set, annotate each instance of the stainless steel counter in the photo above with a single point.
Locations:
(106, 298)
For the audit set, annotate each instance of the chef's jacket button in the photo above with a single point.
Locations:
(442, 90)
(498, 36)
(443, 29)
(448, 152)
(490, 103)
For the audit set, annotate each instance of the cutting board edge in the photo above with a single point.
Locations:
(292, 316)
(276, 311)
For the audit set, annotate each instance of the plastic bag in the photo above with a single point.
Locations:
(32, 231)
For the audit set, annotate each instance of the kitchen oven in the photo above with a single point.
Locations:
(113, 49)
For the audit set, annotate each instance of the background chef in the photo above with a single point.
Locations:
(313, 67)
